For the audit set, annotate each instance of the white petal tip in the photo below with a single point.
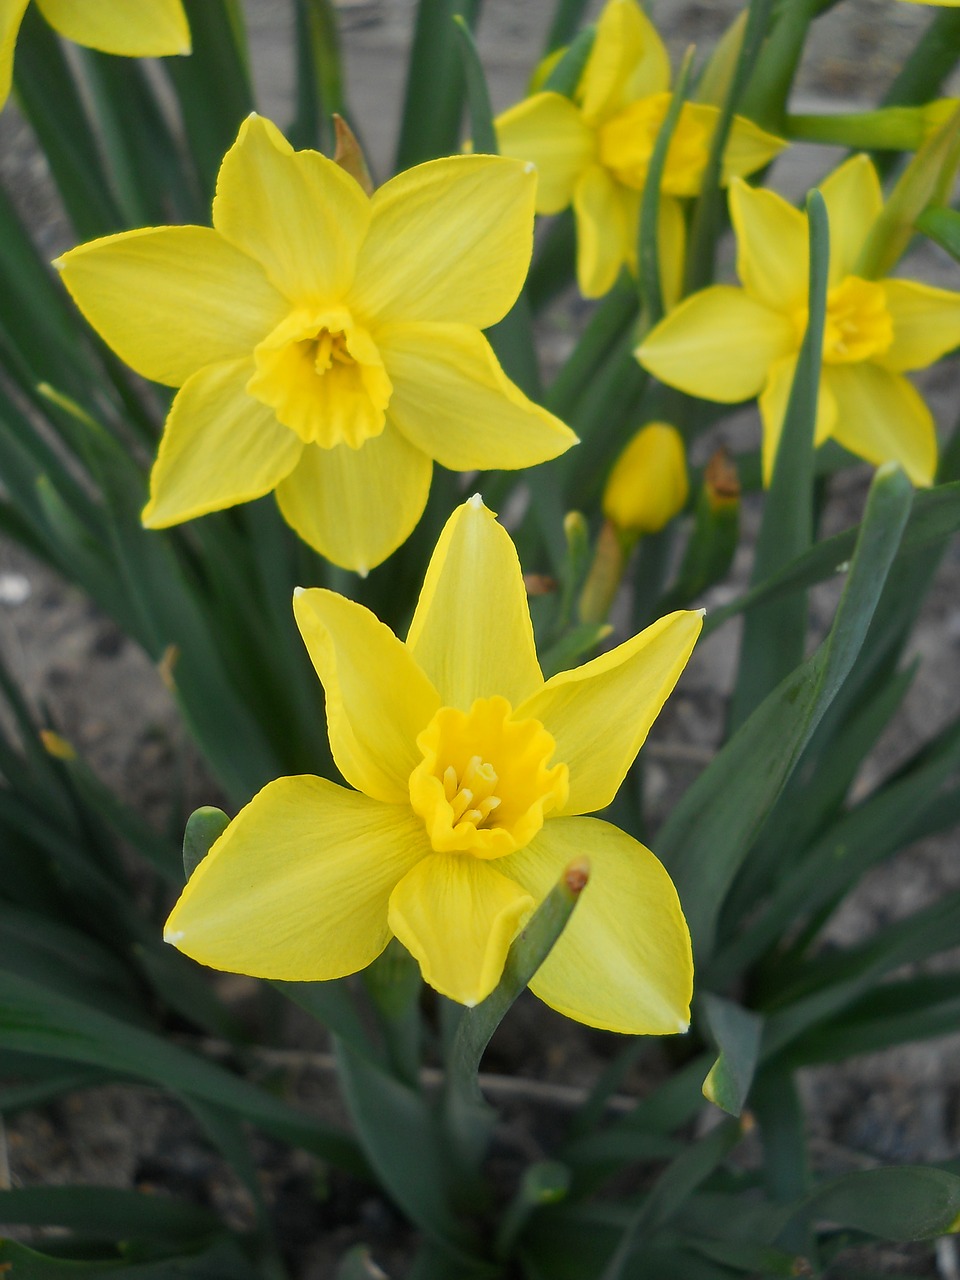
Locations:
(470, 1004)
(476, 502)
(173, 936)
(529, 167)
(254, 115)
(683, 1026)
(58, 264)
(701, 612)
(361, 570)
(298, 591)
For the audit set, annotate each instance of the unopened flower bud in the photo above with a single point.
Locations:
(648, 485)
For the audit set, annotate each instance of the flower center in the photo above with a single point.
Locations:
(484, 783)
(322, 375)
(628, 139)
(858, 324)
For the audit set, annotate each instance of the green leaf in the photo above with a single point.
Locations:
(212, 86)
(204, 827)
(107, 1212)
(478, 95)
(223, 1258)
(904, 1203)
(565, 75)
(924, 72)
(711, 830)
(34, 1019)
(320, 89)
(393, 1121)
(357, 1264)
(736, 1032)
(433, 104)
(774, 634)
(943, 226)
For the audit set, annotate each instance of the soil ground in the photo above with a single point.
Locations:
(101, 692)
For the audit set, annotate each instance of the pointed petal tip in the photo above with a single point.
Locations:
(298, 591)
(683, 1026)
(58, 264)
(173, 936)
(529, 167)
(475, 501)
(701, 613)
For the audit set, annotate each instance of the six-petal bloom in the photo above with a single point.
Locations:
(326, 343)
(133, 28)
(730, 344)
(471, 774)
(594, 151)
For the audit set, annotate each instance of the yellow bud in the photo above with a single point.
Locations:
(648, 485)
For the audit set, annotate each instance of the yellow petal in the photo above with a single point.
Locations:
(600, 713)
(450, 240)
(628, 61)
(356, 506)
(457, 917)
(748, 149)
(772, 247)
(773, 408)
(471, 632)
(170, 300)
(623, 962)
(134, 28)
(549, 131)
(297, 886)
(299, 214)
(883, 418)
(452, 400)
(718, 344)
(926, 324)
(854, 200)
(672, 245)
(11, 15)
(219, 447)
(606, 231)
(377, 698)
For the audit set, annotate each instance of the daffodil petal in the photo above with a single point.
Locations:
(457, 916)
(297, 887)
(449, 240)
(600, 713)
(604, 241)
(926, 324)
(718, 344)
(628, 61)
(219, 447)
(624, 960)
(672, 244)
(883, 418)
(549, 131)
(11, 15)
(170, 300)
(471, 632)
(133, 28)
(356, 506)
(452, 400)
(773, 407)
(772, 247)
(299, 214)
(377, 698)
(854, 200)
(748, 149)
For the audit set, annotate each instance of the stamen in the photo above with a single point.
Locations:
(450, 784)
(460, 803)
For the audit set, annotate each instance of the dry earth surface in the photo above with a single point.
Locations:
(93, 684)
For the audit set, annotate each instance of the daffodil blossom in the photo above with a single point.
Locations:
(594, 151)
(134, 28)
(471, 776)
(730, 344)
(326, 343)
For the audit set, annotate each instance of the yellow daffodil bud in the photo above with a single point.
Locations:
(648, 485)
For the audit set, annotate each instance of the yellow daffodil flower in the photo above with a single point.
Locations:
(594, 151)
(730, 344)
(133, 28)
(326, 343)
(471, 774)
